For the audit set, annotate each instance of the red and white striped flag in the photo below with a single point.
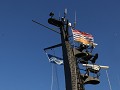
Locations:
(83, 37)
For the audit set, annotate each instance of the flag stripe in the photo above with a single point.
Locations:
(83, 37)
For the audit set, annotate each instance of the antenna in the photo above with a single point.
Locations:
(65, 13)
(59, 15)
(75, 20)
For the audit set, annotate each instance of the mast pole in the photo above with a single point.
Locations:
(72, 74)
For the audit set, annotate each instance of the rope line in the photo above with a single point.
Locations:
(52, 78)
(108, 80)
(54, 75)
(57, 81)
(118, 80)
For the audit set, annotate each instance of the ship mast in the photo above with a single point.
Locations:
(73, 57)
(71, 69)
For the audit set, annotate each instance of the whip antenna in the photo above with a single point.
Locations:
(65, 13)
(75, 20)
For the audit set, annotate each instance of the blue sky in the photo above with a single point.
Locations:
(23, 63)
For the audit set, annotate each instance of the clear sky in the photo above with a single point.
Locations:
(23, 63)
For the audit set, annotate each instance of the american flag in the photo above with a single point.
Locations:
(83, 37)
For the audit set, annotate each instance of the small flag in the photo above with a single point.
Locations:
(55, 59)
(83, 37)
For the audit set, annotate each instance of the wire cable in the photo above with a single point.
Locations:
(108, 80)
(57, 81)
(52, 78)
(118, 80)
(45, 26)
(55, 75)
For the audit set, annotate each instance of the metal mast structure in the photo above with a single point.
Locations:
(74, 57)
(72, 74)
